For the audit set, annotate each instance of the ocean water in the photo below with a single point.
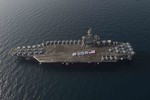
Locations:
(28, 22)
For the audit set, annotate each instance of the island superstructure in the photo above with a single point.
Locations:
(89, 49)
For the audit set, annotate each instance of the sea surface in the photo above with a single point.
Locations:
(28, 22)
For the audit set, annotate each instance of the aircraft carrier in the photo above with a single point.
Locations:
(88, 49)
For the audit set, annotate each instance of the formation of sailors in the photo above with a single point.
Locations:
(29, 50)
(77, 42)
(106, 42)
(114, 58)
(109, 58)
(64, 42)
(124, 48)
(32, 47)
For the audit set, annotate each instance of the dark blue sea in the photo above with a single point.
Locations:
(28, 22)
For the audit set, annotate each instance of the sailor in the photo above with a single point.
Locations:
(129, 57)
(98, 43)
(67, 42)
(117, 51)
(51, 42)
(74, 54)
(102, 58)
(71, 41)
(96, 38)
(132, 52)
(79, 41)
(43, 44)
(47, 43)
(19, 53)
(124, 51)
(104, 42)
(13, 54)
(63, 42)
(106, 57)
(67, 63)
(121, 58)
(23, 47)
(39, 45)
(58, 42)
(121, 45)
(110, 57)
(18, 47)
(130, 49)
(33, 46)
(109, 50)
(28, 54)
(55, 42)
(116, 48)
(115, 57)
(109, 42)
(129, 46)
(22, 54)
(114, 43)
(74, 42)
(28, 47)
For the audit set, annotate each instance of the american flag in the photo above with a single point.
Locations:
(92, 52)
